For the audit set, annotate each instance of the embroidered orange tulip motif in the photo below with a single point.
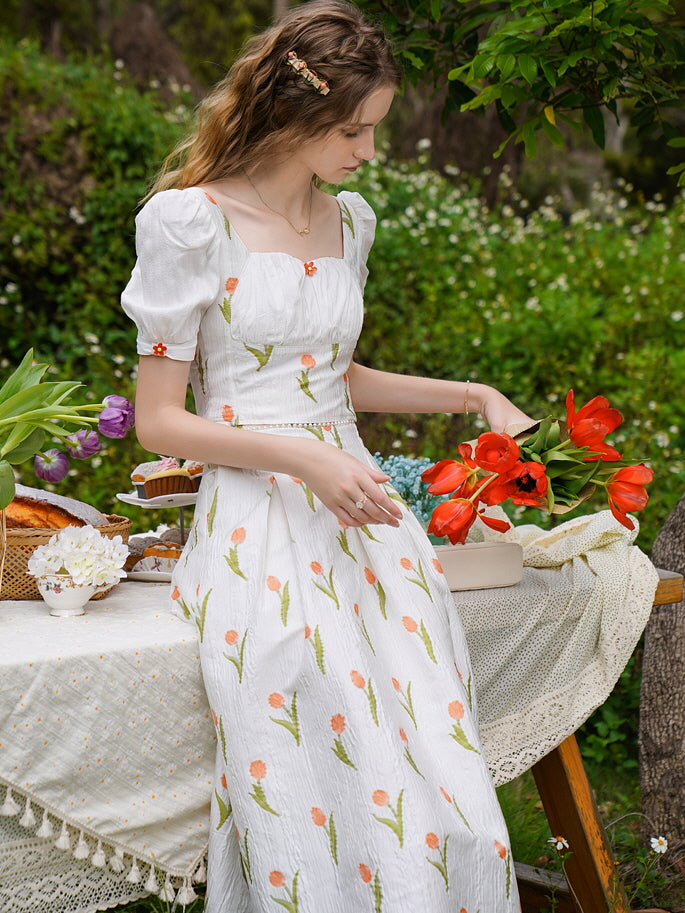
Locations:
(414, 628)
(231, 638)
(283, 591)
(503, 853)
(328, 827)
(405, 699)
(433, 843)
(395, 822)
(456, 711)
(308, 362)
(291, 721)
(420, 577)
(373, 581)
(325, 582)
(258, 773)
(314, 639)
(225, 307)
(338, 726)
(360, 682)
(238, 536)
(277, 879)
(407, 754)
(367, 876)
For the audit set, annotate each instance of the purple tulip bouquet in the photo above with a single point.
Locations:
(32, 410)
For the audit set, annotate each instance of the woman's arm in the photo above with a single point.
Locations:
(163, 425)
(380, 391)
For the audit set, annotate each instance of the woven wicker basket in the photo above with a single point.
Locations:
(17, 583)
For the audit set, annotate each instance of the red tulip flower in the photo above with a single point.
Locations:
(626, 491)
(454, 518)
(445, 477)
(496, 452)
(590, 424)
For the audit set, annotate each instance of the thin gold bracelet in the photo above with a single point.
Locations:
(466, 398)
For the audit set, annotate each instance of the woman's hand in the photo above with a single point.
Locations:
(349, 488)
(498, 411)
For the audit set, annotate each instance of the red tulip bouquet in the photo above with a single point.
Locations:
(554, 468)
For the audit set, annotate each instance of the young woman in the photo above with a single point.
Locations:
(349, 774)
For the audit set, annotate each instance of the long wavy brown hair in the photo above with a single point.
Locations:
(263, 108)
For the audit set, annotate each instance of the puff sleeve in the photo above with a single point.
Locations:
(177, 274)
(364, 221)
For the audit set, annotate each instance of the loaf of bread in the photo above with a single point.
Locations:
(33, 508)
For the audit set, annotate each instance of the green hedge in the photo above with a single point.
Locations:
(532, 302)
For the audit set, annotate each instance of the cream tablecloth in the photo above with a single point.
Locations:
(106, 742)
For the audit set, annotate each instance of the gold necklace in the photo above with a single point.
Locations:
(301, 231)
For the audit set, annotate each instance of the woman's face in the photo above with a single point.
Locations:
(340, 152)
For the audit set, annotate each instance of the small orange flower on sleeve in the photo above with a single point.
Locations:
(224, 782)
(227, 414)
(406, 563)
(432, 841)
(409, 624)
(365, 873)
(501, 849)
(238, 535)
(316, 567)
(307, 361)
(276, 700)
(273, 583)
(159, 349)
(231, 285)
(370, 576)
(437, 566)
(309, 268)
(277, 879)
(380, 798)
(175, 593)
(231, 637)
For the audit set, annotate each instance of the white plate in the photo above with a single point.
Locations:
(182, 499)
(150, 576)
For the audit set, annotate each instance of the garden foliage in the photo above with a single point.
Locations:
(534, 302)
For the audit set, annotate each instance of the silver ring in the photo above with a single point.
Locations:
(361, 502)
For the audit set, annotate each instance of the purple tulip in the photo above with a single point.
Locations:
(117, 416)
(51, 466)
(83, 444)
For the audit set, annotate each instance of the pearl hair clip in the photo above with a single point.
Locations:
(301, 68)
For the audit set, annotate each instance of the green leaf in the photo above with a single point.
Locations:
(23, 442)
(552, 133)
(528, 68)
(530, 139)
(594, 118)
(7, 486)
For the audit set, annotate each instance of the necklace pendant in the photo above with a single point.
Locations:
(304, 231)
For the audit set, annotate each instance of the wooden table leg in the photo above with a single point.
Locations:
(572, 813)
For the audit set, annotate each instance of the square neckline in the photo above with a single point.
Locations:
(235, 234)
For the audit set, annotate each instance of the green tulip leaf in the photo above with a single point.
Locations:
(23, 442)
(26, 375)
(7, 486)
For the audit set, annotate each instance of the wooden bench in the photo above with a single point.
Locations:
(592, 884)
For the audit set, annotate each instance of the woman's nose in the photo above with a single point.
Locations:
(366, 150)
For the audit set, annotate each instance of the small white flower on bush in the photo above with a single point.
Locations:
(659, 844)
(82, 552)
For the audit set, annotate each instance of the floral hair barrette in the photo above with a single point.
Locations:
(301, 68)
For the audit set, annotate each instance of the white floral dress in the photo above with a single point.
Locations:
(349, 772)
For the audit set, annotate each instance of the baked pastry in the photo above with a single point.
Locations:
(33, 508)
(195, 471)
(161, 477)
